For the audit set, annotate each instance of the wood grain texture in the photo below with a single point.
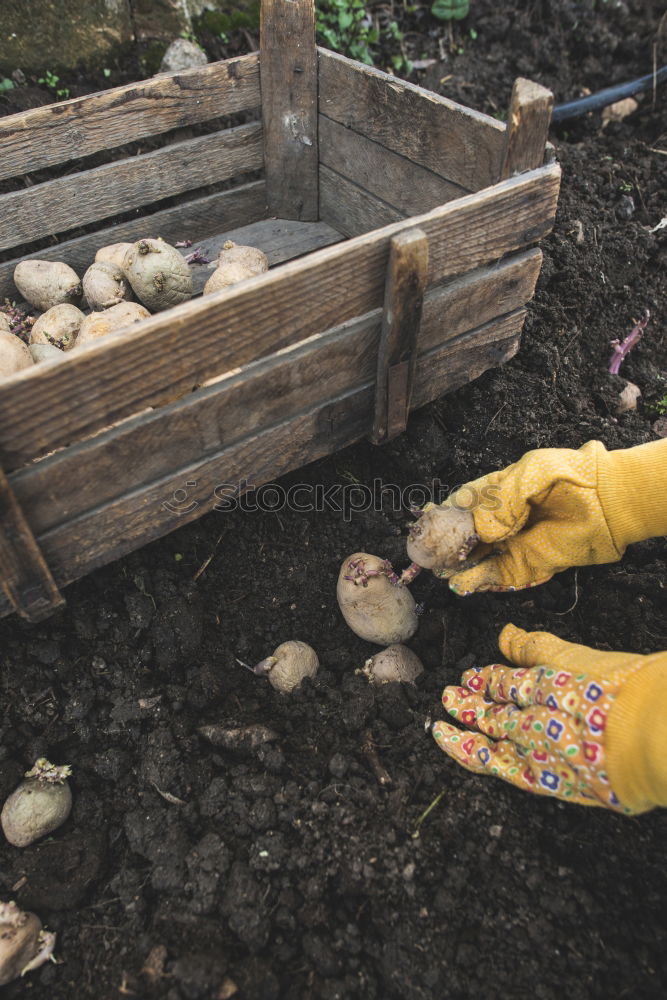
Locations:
(25, 579)
(527, 128)
(197, 219)
(349, 208)
(399, 182)
(115, 529)
(169, 354)
(459, 144)
(407, 274)
(89, 474)
(57, 133)
(288, 82)
(59, 205)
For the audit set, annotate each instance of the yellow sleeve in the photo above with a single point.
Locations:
(636, 738)
(632, 487)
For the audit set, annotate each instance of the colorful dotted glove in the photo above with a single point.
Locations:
(557, 725)
(557, 508)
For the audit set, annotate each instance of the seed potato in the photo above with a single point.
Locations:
(442, 539)
(14, 354)
(57, 327)
(289, 665)
(396, 664)
(24, 945)
(105, 285)
(113, 254)
(5, 325)
(46, 283)
(159, 275)
(373, 602)
(40, 804)
(251, 258)
(101, 324)
(229, 273)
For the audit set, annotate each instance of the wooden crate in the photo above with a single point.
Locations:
(401, 228)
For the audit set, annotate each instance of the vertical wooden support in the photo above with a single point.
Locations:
(24, 576)
(288, 81)
(527, 128)
(407, 274)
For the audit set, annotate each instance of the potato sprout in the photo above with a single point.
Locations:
(40, 804)
(288, 665)
(374, 602)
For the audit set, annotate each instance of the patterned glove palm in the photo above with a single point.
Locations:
(541, 727)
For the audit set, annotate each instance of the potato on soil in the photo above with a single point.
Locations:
(105, 285)
(396, 664)
(100, 324)
(158, 274)
(227, 274)
(24, 945)
(40, 804)
(113, 254)
(14, 354)
(58, 327)
(289, 664)
(46, 283)
(374, 604)
(251, 258)
(442, 539)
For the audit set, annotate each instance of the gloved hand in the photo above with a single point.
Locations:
(558, 507)
(583, 725)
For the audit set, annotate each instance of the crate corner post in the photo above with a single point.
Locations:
(25, 578)
(288, 83)
(527, 130)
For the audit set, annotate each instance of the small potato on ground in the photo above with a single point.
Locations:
(289, 665)
(374, 603)
(395, 664)
(40, 804)
(24, 944)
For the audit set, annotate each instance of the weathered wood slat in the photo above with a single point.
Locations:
(57, 133)
(197, 219)
(56, 206)
(527, 128)
(331, 364)
(170, 354)
(407, 273)
(457, 143)
(112, 531)
(25, 579)
(399, 182)
(288, 81)
(349, 208)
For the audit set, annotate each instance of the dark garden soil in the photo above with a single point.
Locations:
(189, 871)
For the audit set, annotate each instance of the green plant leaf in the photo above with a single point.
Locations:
(450, 10)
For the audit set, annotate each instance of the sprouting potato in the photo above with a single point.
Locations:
(374, 603)
(57, 327)
(253, 259)
(100, 324)
(289, 664)
(105, 285)
(113, 254)
(24, 945)
(396, 664)
(46, 283)
(228, 274)
(442, 539)
(40, 804)
(159, 275)
(14, 354)
(46, 352)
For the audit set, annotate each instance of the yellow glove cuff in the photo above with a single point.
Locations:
(636, 738)
(632, 486)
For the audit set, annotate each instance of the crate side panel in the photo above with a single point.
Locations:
(169, 354)
(349, 208)
(147, 448)
(114, 530)
(196, 219)
(57, 133)
(60, 205)
(399, 182)
(461, 145)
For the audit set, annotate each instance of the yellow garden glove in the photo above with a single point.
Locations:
(583, 725)
(560, 507)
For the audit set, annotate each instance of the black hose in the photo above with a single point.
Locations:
(608, 96)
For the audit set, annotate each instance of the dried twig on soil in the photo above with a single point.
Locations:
(379, 770)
